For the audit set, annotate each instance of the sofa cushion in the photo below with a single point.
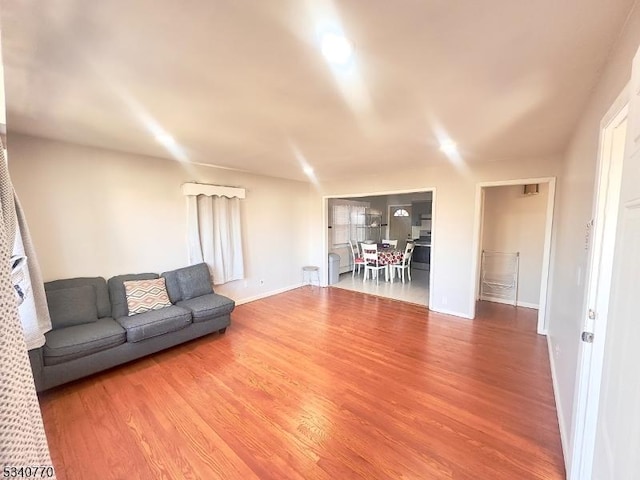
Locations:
(64, 344)
(155, 322)
(208, 306)
(99, 284)
(117, 292)
(145, 295)
(173, 289)
(72, 306)
(194, 281)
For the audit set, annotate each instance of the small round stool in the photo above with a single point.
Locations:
(308, 272)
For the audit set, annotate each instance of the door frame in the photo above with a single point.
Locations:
(546, 256)
(598, 291)
(325, 227)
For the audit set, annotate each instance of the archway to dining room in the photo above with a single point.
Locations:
(399, 225)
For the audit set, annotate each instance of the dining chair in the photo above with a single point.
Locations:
(356, 258)
(405, 263)
(371, 262)
(391, 243)
(362, 244)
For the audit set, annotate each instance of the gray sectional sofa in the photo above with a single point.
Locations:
(93, 331)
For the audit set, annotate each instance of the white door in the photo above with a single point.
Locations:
(617, 437)
(618, 428)
(400, 224)
(602, 237)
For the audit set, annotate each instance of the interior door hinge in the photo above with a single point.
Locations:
(592, 314)
(587, 337)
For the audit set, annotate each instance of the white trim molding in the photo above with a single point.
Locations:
(519, 303)
(271, 293)
(453, 313)
(562, 426)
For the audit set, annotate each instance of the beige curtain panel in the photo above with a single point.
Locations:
(22, 437)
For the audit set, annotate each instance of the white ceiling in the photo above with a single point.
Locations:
(242, 83)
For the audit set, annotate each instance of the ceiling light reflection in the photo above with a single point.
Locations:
(165, 139)
(448, 147)
(338, 51)
(306, 168)
(336, 48)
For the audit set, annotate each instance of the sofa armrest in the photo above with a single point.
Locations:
(37, 365)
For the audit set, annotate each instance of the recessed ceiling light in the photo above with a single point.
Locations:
(308, 170)
(336, 48)
(165, 139)
(448, 147)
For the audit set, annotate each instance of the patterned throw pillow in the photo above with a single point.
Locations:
(146, 295)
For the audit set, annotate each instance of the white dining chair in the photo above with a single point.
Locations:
(391, 243)
(356, 258)
(371, 262)
(362, 244)
(405, 263)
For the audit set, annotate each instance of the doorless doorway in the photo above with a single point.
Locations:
(549, 187)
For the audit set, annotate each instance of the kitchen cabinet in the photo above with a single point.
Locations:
(420, 211)
(421, 258)
(422, 254)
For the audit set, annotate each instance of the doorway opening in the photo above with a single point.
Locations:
(513, 228)
(512, 243)
(398, 223)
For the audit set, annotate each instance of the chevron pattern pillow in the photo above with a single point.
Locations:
(146, 295)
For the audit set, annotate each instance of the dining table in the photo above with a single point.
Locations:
(388, 255)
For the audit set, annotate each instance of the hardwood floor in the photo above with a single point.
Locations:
(322, 384)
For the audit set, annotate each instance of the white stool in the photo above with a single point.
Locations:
(307, 274)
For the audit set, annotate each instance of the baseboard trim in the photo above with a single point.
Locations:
(535, 306)
(270, 293)
(506, 302)
(564, 438)
(451, 312)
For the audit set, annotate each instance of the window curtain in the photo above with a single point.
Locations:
(25, 270)
(28, 283)
(345, 219)
(22, 437)
(215, 235)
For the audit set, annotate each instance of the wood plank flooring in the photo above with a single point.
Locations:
(321, 384)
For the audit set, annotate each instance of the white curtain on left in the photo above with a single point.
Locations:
(215, 235)
(22, 438)
(25, 270)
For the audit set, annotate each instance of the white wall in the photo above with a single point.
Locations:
(574, 207)
(514, 222)
(96, 212)
(454, 208)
